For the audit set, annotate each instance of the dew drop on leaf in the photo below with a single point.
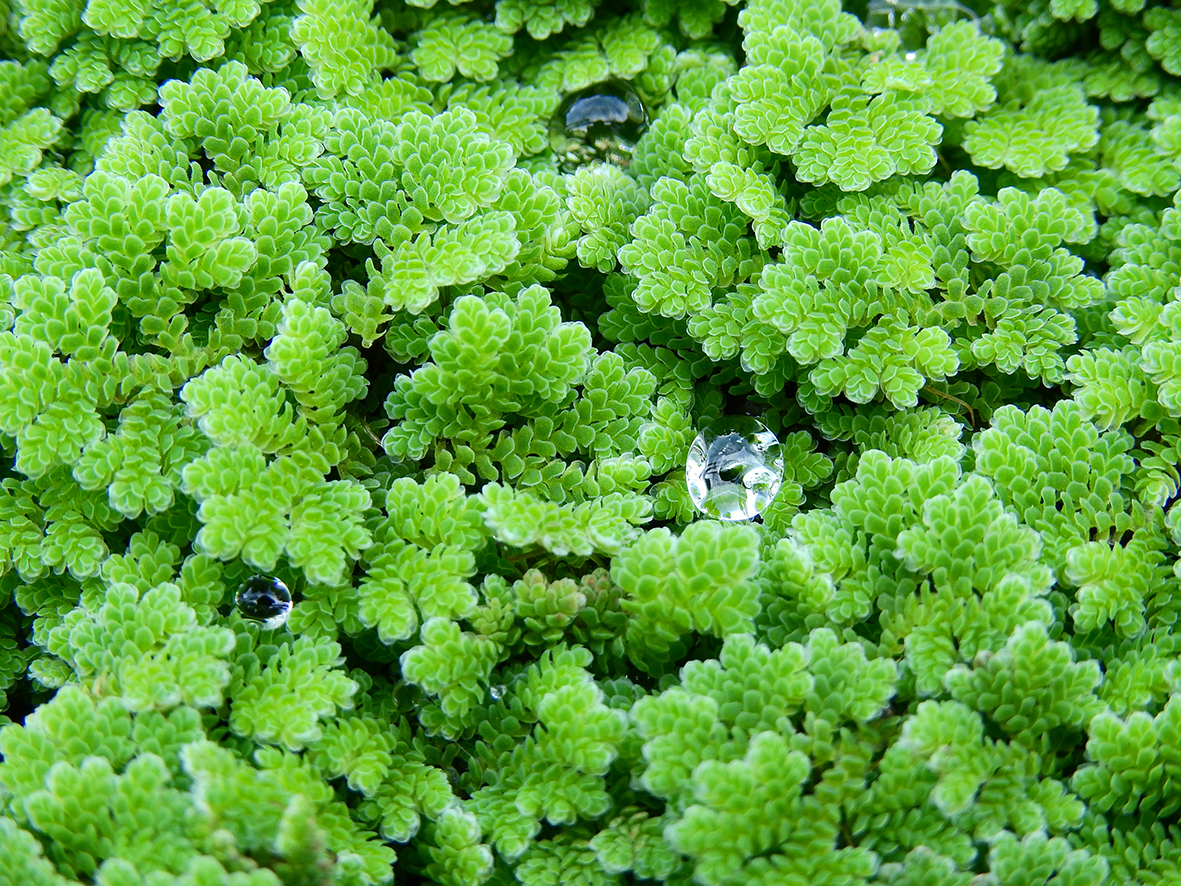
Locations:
(915, 20)
(734, 468)
(496, 692)
(265, 599)
(602, 122)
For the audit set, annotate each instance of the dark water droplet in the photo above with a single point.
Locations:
(602, 122)
(266, 599)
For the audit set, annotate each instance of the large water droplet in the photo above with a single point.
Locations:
(496, 692)
(265, 599)
(734, 468)
(600, 123)
(915, 20)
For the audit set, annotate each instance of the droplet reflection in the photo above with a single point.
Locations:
(734, 468)
(603, 122)
(265, 599)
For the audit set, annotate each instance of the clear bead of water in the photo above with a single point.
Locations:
(602, 122)
(915, 20)
(734, 468)
(264, 599)
(496, 692)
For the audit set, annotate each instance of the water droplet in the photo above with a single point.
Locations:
(734, 468)
(915, 20)
(265, 599)
(602, 122)
(496, 692)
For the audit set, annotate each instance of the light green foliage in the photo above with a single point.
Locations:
(546, 608)
(1030, 687)
(665, 440)
(70, 729)
(695, 19)
(102, 789)
(563, 860)
(140, 464)
(1113, 583)
(473, 249)
(251, 133)
(961, 62)
(772, 103)
(415, 176)
(567, 739)
(459, 858)
(867, 140)
(1162, 43)
(25, 131)
(1140, 166)
(73, 323)
(145, 648)
(301, 289)
(544, 18)
(453, 43)
(265, 809)
(990, 584)
(634, 843)
(769, 778)
(517, 346)
(52, 525)
(357, 748)
(24, 860)
(1028, 336)
(723, 748)
(1111, 384)
(411, 789)
(1134, 761)
(260, 509)
(240, 402)
(968, 543)
(1034, 130)
(545, 232)
(24, 140)
(688, 242)
(204, 248)
(1020, 447)
(822, 284)
(266, 679)
(622, 47)
(606, 523)
(82, 807)
(343, 43)
(421, 557)
(723, 702)
(48, 407)
(695, 582)
(306, 356)
(604, 201)
(948, 738)
(1038, 859)
(451, 664)
(892, 358)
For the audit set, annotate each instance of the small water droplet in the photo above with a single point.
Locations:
(496, 692)
(915, 20)
(734, 468)
(265, 599)
(603, 122)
